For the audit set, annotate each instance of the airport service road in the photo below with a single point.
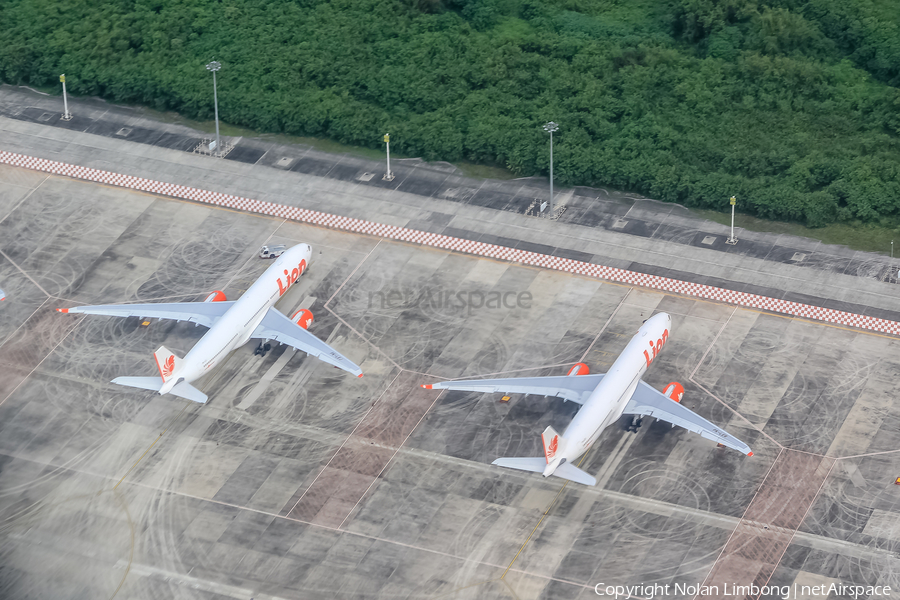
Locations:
(298, 481)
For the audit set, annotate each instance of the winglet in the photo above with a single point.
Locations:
(360, 375)
(62, 310)
(427, 386)
(749, 454)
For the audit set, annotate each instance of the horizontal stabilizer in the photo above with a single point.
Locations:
(573, 473)
(536, 465)
(189, 392)
(182, 390)
(144, 383)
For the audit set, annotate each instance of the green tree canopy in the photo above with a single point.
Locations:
(790, 104)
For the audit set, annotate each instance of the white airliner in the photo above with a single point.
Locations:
(231, 324)
(605, 398)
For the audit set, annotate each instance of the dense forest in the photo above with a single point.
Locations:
(791, 105)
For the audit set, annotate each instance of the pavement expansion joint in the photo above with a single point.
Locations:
(402, 234)
(344, 321)
(352, 533)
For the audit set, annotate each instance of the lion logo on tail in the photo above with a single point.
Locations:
(552, 447)
(168, 366)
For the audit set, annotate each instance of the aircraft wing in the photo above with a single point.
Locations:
(276, 326)
(576, 388)
(646, 401)
(202, 313)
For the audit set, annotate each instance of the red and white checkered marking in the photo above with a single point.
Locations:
(456, 244)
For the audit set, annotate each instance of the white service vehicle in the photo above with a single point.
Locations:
(272, 251)
(605, 398)
(231, 324)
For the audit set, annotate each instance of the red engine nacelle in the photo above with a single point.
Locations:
(674, 391)
(579, 369)
(216, 296)
(303, 318)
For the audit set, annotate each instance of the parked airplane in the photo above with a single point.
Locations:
(605, 398)
(231, 324)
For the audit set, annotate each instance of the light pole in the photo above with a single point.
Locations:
(66, 116)
(215, 66)
(550, 128)
(388, 176)
(898, 270)
(731, 240)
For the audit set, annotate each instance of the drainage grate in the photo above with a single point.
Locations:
(366, 177)
(124, 131)
(798, 256)
(619, 224)
(709, 240)
(284, 162)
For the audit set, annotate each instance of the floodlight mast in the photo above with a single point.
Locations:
(66, 116)
(388, 176)
(550, 128)
(731, 240)
(215, 66)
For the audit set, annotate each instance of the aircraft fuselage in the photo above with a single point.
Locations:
(608, 400)
(236, 326)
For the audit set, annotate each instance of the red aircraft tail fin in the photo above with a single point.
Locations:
(553, 443)
(167, 363)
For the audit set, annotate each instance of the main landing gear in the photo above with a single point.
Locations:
(636, 423)
(262, 348)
